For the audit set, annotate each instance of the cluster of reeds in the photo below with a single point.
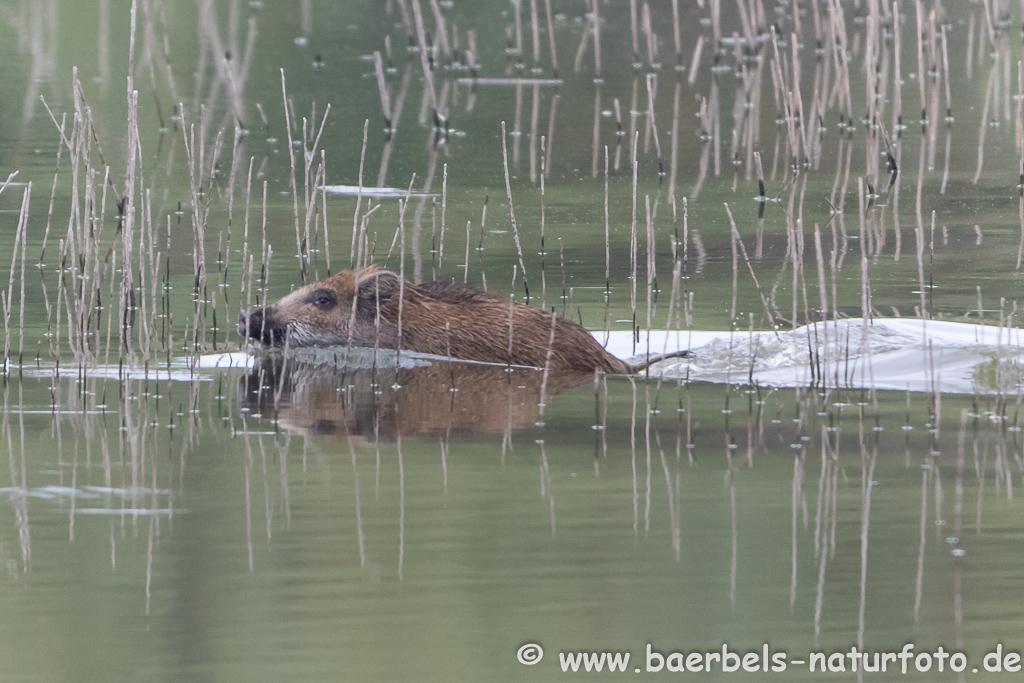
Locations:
(144, 320)
(110, 297)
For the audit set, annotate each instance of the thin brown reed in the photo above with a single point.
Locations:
(511, 210)
(295, 190)
(359, 199)
(382, 88)
(551, 38)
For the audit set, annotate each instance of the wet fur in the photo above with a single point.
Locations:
(361, 308)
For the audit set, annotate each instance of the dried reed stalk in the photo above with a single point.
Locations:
(511, 210)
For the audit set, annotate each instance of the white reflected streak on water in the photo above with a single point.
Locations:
(375, 192)
(905, 353)
(62, 494)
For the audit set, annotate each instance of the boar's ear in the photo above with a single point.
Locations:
(379, 286)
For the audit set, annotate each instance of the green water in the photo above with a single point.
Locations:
(325, 523)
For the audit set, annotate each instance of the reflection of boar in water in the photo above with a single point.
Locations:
(458, 400)
(361, 308)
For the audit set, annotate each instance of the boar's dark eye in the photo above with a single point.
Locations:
(323, 299)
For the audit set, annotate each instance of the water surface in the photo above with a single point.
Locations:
(808, 481)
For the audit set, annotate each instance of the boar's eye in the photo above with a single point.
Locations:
(323, 299)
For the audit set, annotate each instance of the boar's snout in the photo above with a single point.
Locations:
(250, 324)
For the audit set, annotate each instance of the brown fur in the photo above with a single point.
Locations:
(361, 308)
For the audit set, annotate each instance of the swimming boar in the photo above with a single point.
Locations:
(361, 308)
